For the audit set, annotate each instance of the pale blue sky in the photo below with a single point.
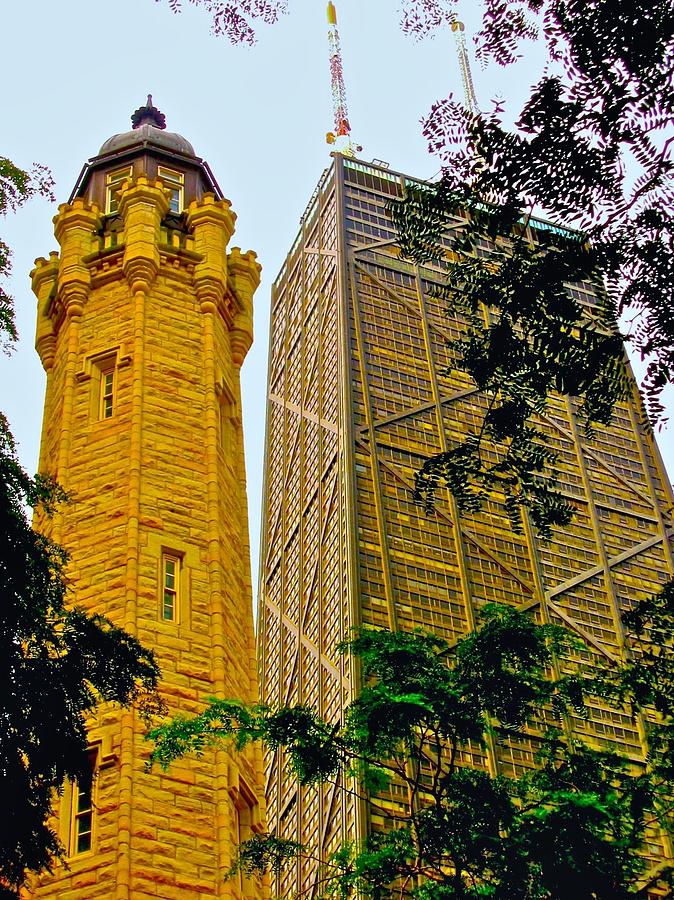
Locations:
(74, 71)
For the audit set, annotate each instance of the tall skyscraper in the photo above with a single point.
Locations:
(144, 319)
(361, 390)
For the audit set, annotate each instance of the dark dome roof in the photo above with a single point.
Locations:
(148, 127)
(147, 133)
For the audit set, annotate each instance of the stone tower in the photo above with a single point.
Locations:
(144, 320)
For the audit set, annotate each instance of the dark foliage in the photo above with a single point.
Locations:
(56, 663)
(537, 340)
(592, 150)
(264, 853)
(16, 187)
(647, 684)
(571, 829)
(236, 19)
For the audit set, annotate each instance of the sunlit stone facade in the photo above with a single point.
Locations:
(144, 319)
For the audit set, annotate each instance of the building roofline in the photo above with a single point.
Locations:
(95, 162)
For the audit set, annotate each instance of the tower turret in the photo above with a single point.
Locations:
(144, 319)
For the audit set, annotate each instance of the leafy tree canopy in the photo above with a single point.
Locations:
(592, 150)
(16, 187)
(571, 829)
(57, 663)
(236, 19)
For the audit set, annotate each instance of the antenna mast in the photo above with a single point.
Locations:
(469, 98)
(341, 136)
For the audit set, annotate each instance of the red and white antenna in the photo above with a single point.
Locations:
(469, 98)
(341, 136)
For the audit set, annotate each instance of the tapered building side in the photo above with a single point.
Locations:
(362, 389)
(144, 319)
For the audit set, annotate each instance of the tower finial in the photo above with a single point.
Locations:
(150, 114)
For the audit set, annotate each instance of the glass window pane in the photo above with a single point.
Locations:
(174, 181)
(84, 839)
(114, 182)
(82, 815)
(107, 393)
(170, 587)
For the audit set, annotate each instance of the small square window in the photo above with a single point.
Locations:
(175, 182)
(170, 595)
(113, 183)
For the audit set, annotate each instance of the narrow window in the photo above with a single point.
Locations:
(244, 806)
(175, 182)
(113, 183)
(107, 393)
(82, 813)
(240, 839)
(170, 585)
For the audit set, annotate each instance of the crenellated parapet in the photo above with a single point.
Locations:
(76, 228)
(44, 278)
(211, 223)
(143, 203)
(243, 279)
